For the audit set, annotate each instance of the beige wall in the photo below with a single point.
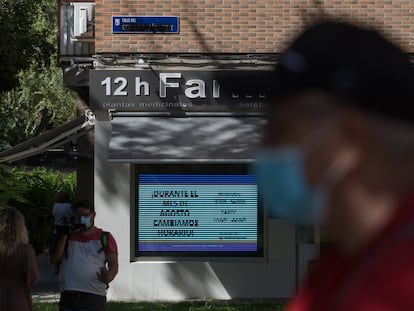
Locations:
(248, 26)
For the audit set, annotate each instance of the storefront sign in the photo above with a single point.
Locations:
(189, 90)
(144, 24)
(205, 210)
(196, 213)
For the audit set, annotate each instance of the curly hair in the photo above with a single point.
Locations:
(12, 231)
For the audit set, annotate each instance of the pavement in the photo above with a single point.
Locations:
(47, 289)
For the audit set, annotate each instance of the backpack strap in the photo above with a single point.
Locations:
(104, 241)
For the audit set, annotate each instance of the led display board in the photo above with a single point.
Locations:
(201, 210)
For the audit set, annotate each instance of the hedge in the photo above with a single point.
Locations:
(33, 192)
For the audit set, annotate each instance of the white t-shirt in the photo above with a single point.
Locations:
(84, 259)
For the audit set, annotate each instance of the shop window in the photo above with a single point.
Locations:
(196, 211)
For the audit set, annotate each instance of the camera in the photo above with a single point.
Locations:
(73, 222)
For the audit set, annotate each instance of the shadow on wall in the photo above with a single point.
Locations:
(185, 280)
(160, 138)
(181, 280)
(110, 178)
(272, 277)
(196, 280)
(231, 280)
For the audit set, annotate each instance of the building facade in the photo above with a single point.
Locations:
(178, 90)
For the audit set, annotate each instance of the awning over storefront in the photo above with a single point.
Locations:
(149, 139)
(51, 139)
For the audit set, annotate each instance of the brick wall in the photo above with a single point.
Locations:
(243, 26)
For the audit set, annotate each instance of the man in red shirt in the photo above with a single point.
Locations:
(88, 259)
(339, 153)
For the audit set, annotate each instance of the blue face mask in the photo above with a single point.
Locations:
(86, 221)
(282, 180)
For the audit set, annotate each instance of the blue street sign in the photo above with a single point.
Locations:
(145, 24)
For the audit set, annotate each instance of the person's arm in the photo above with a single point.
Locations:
(59, 251)
(106, 275)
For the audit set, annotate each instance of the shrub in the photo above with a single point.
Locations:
(37, 192)
(11, 191)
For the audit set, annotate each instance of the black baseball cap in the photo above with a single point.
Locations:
(354, 63)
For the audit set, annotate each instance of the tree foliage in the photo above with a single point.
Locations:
(28, 32)
(32, 96)
(32, 88)
(11, 191)
(40, 95)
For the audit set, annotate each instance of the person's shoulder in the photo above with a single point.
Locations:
(111, 245)
(94, 234)
(389, 284)
(101, 231)
(108, 234)
(97, 233)
(394, 269)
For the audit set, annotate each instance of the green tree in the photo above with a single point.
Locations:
(31, 91)
(40, 94)
(28, 32)
(32, 84)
